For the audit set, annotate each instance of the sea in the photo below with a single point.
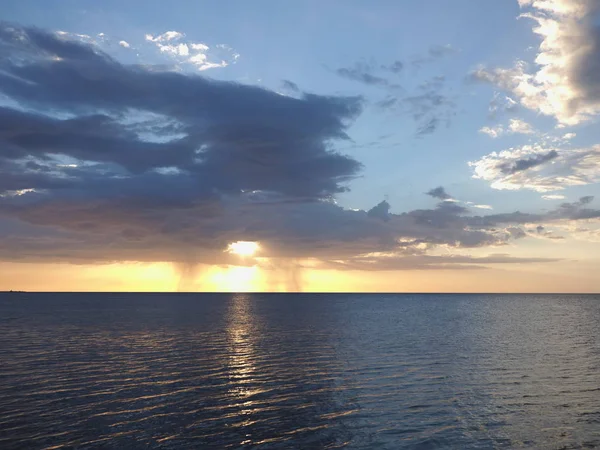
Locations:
(287, 371)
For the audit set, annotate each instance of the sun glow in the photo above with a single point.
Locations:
(235, 279)
(243, 248)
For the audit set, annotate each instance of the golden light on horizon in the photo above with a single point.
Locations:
(243, 248)
(235, 279)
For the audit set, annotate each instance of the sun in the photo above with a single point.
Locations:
(243, 248)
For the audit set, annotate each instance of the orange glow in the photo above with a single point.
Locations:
(567, 276)
(233, 279)
(243, 248)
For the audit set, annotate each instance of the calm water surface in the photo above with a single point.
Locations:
(299, 371)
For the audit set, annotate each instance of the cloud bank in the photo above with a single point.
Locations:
(101, 161)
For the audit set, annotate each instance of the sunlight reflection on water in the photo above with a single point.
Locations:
(310, 371)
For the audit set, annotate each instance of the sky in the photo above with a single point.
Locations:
(392, 146)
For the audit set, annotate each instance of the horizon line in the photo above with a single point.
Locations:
(299, 292)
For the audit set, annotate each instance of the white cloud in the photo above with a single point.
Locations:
(176, 50)
(565, 81)
(165, 37)
(210, 65)
(197, 54)
(519, 126)
(569, 136)
(18, 192)
(473, 205)
(200, 47)
(124, 44)
(494, 132)
(539, 168)
(553, 197)
(515, 126)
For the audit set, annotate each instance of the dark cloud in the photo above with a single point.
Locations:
(520, 165)
(92, 138)
(108, 229)
(566, 211)
(395, 67)
(234, 137)
(380, 211)
(439, 193)
(428, 127)
(577, 210)
(389, 102)
(290, 86)
(430, 102)
(106, 162)
(362, 73)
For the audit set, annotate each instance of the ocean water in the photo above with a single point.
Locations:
(299, 371)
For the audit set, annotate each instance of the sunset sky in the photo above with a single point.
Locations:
(300, 145)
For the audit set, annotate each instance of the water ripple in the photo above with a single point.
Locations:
(303, 371)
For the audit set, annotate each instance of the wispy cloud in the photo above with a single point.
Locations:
(429, 105)
(367, 73)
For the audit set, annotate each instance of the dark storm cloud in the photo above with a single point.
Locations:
(91, 137)
(235, 136)
(527, 163)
